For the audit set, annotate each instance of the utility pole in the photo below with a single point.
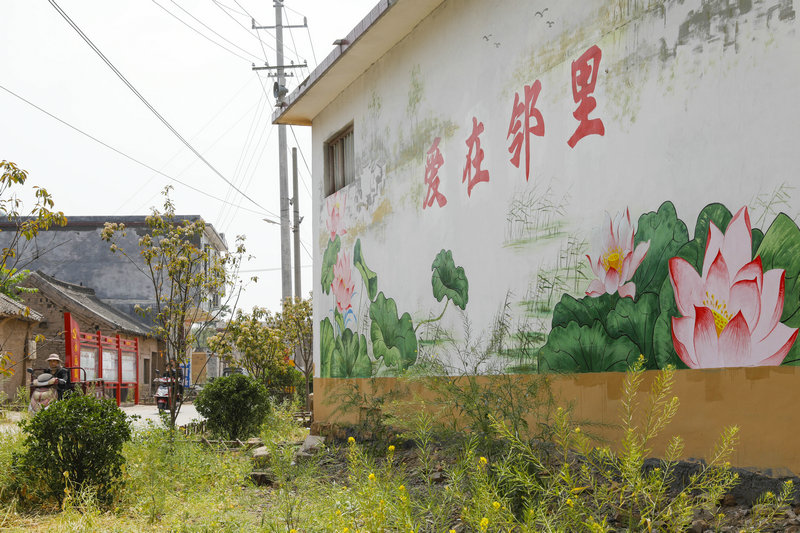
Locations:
(279, 90)
(298, 292)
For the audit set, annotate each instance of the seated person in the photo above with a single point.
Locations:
(60, 374)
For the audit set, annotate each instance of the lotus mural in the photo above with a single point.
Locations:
(726, 295)
(392, 346)
(616, 259)
(342, 286)
(730, 314)
(719, 299)
(335, 207)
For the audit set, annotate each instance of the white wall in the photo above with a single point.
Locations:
(698, 105)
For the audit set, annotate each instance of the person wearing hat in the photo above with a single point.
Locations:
(59, 373)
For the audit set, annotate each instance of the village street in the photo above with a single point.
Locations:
(145, 413)
(140, 415)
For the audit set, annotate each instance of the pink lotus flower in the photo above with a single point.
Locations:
(616, 259)
(731, 314)
(341, 285)
(335, 208)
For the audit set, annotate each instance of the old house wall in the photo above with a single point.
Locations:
(14, 337)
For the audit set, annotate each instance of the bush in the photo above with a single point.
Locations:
(235, 406)
(75, 443)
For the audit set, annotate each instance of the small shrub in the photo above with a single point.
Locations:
(235, 406)
(74, 444)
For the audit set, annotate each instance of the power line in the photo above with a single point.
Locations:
(291, 34)
(313, 53)
(263, 88)
(250, 31)
(254, 20)
(245, 169)
(256, 118)
(269, 269)
(302, 155)
(229, 8)
(201, 34)
(147, 104)
(306, 250)
(209, 28)
(176, 154)
(131, 158)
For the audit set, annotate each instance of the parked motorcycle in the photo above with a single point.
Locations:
(43, 392)
(165, 391)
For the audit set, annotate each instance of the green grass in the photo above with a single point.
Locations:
(425, 479)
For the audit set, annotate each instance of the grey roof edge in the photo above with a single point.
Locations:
(355, 34)
(132, 221)
(14, 309)
(117, 318)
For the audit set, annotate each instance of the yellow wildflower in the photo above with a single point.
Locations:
(482, 461)
(391, 448)
(577, 430)
(569, 502)
(372, 477)
(496, 505)
(484, 523)
(401, 487)
(351, 440)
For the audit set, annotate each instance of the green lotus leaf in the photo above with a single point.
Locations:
(370, 278)
(327, 342)
(666, 234)
(716, 213)
(393, 338)
(576, 348)
(780, 248)
(328, 260)
(636, 321)
(350, 359)
(448, 280)
(758, 237)
(585, 311)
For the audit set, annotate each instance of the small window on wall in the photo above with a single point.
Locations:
(339, 161)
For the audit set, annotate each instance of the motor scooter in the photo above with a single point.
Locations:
(43, 392)
(165, 391)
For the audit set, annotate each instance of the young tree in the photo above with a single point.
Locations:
(256, 342)
(297, 328)
(28, 223)
(185, 277)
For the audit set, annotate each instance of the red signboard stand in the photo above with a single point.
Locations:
(111, 364)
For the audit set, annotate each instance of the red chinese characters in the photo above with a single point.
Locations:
(474, 161)
(584, 78)
(433, 162)
(520, 128)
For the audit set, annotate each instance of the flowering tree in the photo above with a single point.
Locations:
(256, 342)
(186, 277)
(297, 327)
(28, 222)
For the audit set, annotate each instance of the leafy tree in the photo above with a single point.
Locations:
(186, 277)
(235, 406)
(255, 341)
(297, 327)
(28, 223)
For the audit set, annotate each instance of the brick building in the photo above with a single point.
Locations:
(18, 327)
(55, 298)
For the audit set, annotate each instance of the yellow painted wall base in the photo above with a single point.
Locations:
(763, 402)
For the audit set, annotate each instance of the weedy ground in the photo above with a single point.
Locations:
(427, 478)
